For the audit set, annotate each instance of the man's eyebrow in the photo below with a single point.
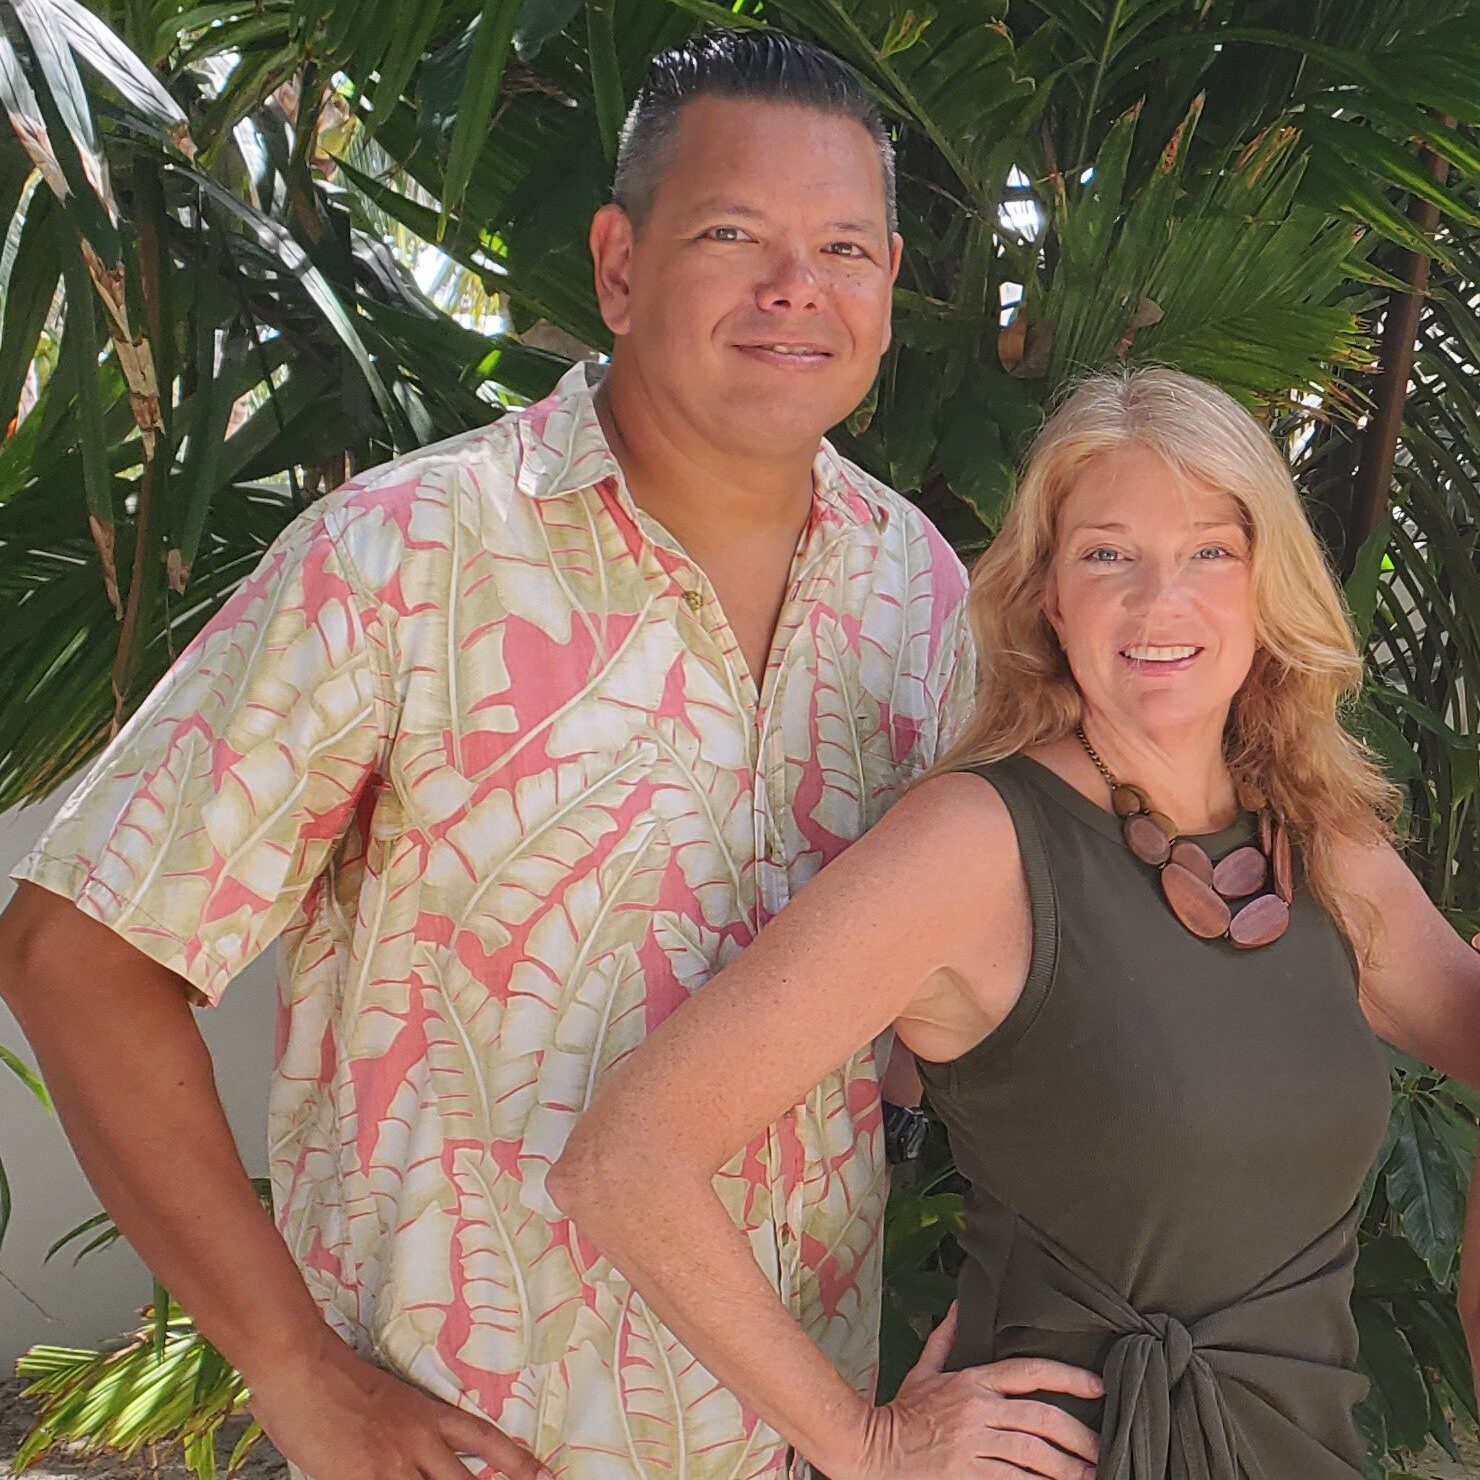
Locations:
(719, 207)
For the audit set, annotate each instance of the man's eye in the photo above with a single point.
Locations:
(725, 234)
(846, 249)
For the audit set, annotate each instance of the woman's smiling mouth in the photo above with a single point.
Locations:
(1160, 657)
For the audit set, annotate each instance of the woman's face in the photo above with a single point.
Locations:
(1150, 594)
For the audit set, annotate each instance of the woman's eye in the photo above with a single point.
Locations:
(1103, 555)
(1214, 552)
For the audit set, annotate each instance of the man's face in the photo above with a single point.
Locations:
(754, 298)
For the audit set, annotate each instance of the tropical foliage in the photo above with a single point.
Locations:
(203, 326)
(165, 1384)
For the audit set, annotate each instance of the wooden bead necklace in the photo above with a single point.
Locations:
(1200, 892)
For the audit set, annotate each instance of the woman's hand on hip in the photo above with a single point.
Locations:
(979, 1423)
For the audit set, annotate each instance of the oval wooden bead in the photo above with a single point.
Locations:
(1164, 822)
(1191, 857)
(1146, 840)
(1266, 830)
(1193, 902)
(1279, 860)
(1241, 872)
(1259, 922)
(1127, 801)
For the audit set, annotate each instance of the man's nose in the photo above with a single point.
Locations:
(791, 281)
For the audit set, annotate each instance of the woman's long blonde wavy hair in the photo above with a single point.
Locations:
(1285, 743)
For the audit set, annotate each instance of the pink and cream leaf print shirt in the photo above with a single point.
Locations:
(476, 741)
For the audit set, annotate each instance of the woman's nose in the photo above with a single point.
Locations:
(1154, 584)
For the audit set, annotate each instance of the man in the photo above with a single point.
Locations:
(516, 741)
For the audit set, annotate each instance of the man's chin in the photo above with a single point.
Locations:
(757, 419)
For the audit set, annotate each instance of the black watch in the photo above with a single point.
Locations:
(905, 1129)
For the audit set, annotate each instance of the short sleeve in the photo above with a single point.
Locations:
(205, 823)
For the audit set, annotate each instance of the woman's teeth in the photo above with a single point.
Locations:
(1158, 654)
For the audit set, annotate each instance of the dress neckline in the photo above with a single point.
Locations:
(1102, 820)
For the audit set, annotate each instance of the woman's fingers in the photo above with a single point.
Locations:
(1046, 1421)
(937, 1346)
(1016, 1376)
(1034, 1456)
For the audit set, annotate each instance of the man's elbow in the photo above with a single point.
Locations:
(22, 926)
(55, 959)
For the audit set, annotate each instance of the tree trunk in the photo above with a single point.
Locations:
(1374, 480)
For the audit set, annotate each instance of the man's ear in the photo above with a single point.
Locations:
(611, 256)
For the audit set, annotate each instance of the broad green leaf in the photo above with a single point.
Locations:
(1424, 1188)
(1389, 1361)
(541, 21)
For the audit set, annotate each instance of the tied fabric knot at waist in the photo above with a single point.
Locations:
(1230, 1396)
(1157, 1382)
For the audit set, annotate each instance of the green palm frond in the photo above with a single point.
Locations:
(180, 1390)
(165, 1384)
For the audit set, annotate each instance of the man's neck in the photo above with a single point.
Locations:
(705, 497)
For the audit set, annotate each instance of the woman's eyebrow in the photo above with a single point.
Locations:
(1116, 528)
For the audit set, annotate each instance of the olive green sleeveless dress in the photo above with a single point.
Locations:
(1165, 1140)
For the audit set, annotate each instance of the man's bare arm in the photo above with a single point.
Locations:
(132, 1082)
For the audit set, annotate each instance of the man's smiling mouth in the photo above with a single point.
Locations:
(790, 354)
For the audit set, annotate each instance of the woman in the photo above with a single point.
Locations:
(1161, 1077)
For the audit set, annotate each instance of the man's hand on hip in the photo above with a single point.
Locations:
(338, 1417)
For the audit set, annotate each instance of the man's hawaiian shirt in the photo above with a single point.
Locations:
(476, 740)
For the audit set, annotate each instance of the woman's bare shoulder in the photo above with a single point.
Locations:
(955, 827)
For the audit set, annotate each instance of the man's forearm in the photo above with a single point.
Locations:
(132, 1083)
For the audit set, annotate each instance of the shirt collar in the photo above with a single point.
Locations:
(563, 449)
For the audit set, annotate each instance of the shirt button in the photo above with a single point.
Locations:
(695, 599)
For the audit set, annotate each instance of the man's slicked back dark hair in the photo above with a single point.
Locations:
(767, 66)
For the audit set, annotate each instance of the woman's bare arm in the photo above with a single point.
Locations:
(1421, 993)
(934, 893)
(1421, 989)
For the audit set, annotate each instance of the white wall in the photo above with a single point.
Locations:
(100, 1298)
